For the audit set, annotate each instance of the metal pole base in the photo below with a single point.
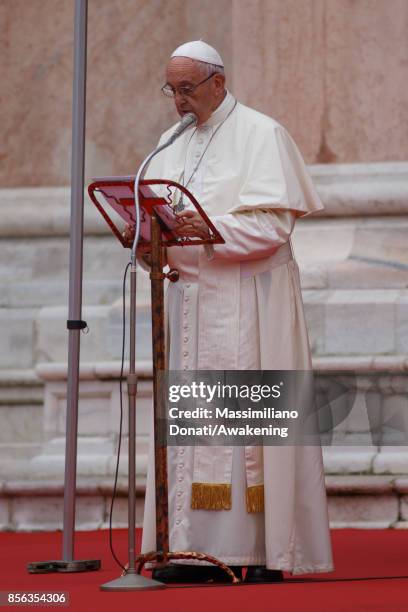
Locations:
(49, 567)
(132, 582)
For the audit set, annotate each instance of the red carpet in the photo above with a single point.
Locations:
(371, 574)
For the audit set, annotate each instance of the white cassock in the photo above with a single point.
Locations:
(238, 306)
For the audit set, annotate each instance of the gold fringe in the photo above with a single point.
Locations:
(210, 496)
(255, 498)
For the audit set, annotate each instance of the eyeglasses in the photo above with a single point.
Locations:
(185, 90)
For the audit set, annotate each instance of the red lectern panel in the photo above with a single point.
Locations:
(118, 193)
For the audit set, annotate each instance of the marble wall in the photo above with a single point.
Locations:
(332, 71)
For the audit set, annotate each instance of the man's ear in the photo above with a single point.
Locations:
(219, 80)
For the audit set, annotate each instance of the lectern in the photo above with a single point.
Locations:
(158, 200)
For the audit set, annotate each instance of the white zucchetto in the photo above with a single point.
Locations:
(199, 50)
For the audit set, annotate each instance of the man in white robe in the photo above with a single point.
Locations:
(237, 306)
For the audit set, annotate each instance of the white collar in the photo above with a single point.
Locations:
(221, 112)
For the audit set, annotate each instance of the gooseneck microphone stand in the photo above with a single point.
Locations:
(132, 580)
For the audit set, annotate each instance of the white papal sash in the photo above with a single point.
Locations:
(218, 344)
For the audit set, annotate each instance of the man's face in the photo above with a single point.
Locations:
(181, 72)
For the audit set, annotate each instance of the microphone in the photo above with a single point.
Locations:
(187, 120)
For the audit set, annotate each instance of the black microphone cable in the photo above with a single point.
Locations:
(120, 420)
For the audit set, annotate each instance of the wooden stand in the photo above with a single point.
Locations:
(159, 364)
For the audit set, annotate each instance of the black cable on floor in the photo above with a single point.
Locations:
(120, 420)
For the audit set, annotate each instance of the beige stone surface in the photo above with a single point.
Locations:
(332, 71)
(363, 508)
(37, 514)
(279, 64)
(129, 42)
(4, 514)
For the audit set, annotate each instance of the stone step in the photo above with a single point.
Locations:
(369, 502)
(38, 506)
(340, 323)
(353, 252)
(37, 293)
(32, 335)
(37, 273)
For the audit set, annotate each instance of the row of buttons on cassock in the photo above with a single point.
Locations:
(181, 451)
(199, 150)
(180, 479)
(180, 466)
(185, 325)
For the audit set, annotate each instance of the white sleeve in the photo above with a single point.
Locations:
(251, 234)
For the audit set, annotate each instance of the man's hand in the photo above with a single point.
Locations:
(191, 225)
(143, 251)
(128, 234)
